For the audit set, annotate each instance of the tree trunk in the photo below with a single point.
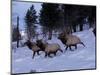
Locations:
(81, 27)
(18, 31)
(74, 28)
(90, 24)
(28, 34)
(50, 35)
(18, 41)
(94, 31)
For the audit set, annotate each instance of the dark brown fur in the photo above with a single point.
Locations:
(40, 44)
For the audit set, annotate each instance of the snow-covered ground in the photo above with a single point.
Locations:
(82, 58)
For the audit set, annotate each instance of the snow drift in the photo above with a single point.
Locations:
(81, 58)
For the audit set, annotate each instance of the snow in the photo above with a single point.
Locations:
(81, 58)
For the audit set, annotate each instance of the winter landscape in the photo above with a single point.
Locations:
(50, 22)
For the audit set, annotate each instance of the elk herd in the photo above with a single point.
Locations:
(68, 40)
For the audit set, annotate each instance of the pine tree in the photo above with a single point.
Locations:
(50, 17)
(30, 20)
(86, 12)
(92, 16)
(70, 17)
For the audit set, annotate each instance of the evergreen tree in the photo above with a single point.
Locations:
(30, 20)
(50, 17)
(92, 16)
(83, 13)
(70, 17)
(86, 12)
(75, 14)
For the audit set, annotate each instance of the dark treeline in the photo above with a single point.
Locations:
(59, 17)
(51, 18)
(66, 17)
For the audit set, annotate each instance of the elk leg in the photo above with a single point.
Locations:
(60, 50)
(82, 43)
(66, 47)
(33, 54)
(70, 48)
(46, 54)
(55, 53)
(75, 46)
(38, 52)
(49, 54)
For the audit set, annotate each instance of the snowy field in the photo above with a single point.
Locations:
(82, 58)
